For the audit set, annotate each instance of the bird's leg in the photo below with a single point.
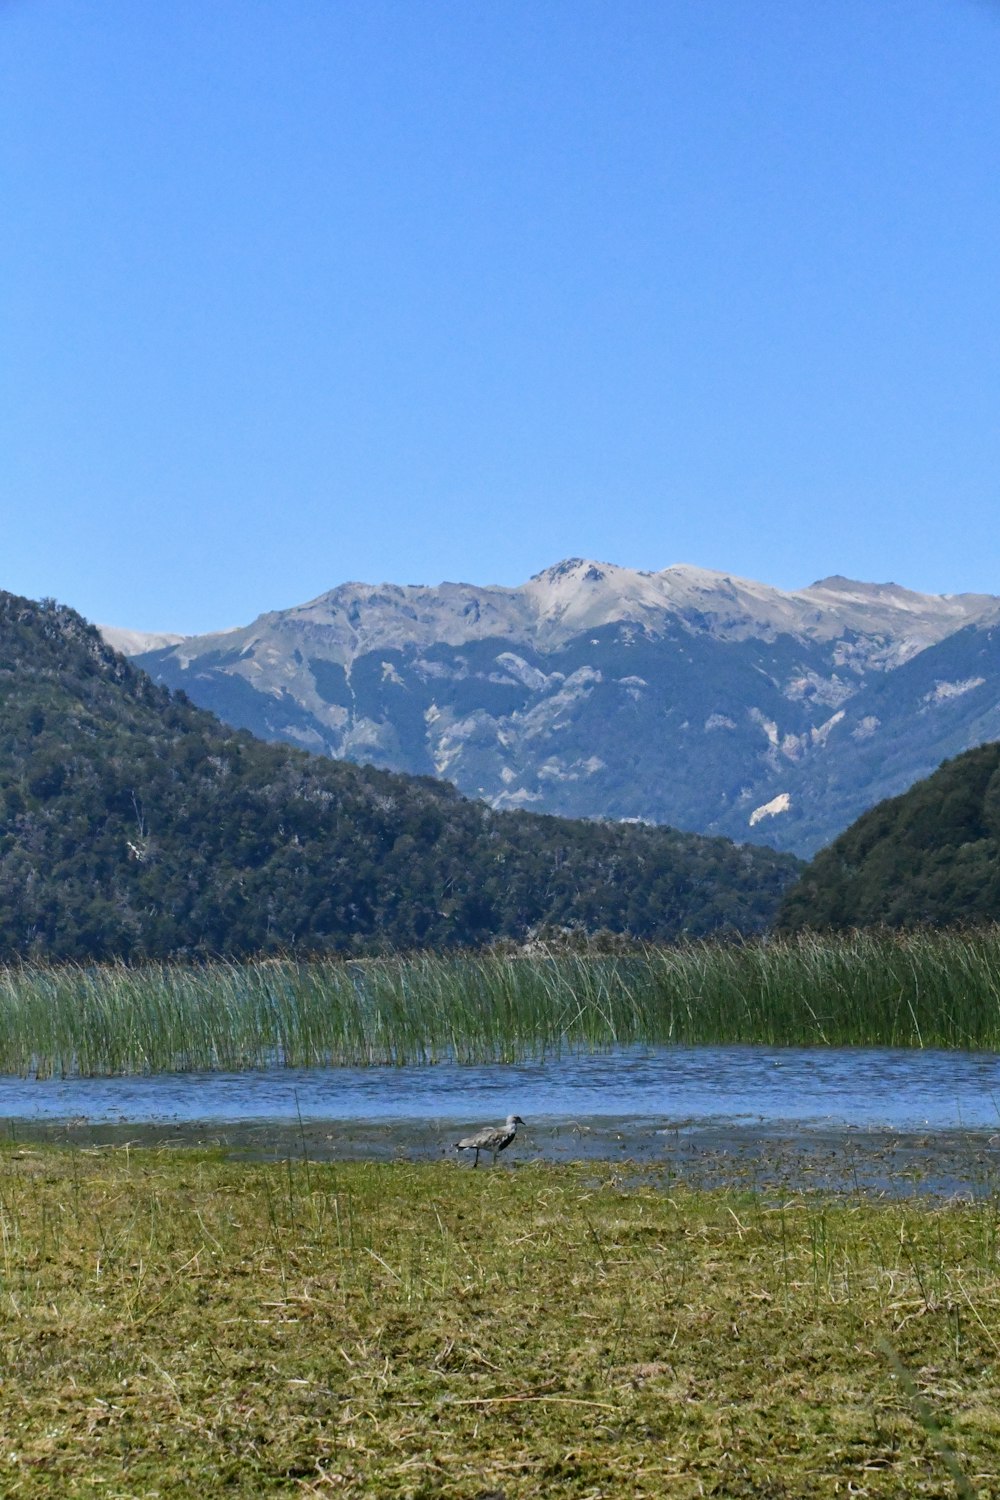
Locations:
(476, 1162)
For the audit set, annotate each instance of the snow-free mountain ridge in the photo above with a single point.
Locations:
(578, 594)
(687, 696)
(135, 642)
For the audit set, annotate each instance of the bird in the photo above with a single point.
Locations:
(495, 1138)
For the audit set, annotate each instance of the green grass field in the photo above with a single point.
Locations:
(178, 1324)
(867, 989)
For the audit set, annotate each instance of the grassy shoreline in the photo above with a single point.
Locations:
(177, 1323)
(866, 989)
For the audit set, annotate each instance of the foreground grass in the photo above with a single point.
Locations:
(921, 989)
(175, 1324)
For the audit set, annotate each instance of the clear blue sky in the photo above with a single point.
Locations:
(300, 291)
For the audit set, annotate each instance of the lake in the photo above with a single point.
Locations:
(674, 1086)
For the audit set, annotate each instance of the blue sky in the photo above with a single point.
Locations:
(312, 290)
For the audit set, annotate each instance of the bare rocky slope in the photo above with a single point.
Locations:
(688, 697)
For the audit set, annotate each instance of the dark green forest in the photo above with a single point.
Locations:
(134, 825)
(928, 858)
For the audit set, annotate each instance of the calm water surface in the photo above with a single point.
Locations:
(676, 1086)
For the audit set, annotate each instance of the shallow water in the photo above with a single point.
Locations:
(673, 1087)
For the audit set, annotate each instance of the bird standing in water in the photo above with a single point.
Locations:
(494, 1138)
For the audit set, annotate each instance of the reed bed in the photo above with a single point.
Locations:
(866, 989)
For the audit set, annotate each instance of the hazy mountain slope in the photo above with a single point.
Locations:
(930, 856)
(684, 697)
(133, 823)
(135, 642)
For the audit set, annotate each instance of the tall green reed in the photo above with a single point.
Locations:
(865, 989)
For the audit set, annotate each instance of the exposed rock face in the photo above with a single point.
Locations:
(688, 697)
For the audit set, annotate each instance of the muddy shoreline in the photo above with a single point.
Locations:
(785, 1156)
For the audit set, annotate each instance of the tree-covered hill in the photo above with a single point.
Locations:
(134, 824)
(930, 857)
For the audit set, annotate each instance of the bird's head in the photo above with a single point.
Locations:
(514, 1120)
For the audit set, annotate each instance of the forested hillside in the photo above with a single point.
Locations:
(929, 857)
(134, 824)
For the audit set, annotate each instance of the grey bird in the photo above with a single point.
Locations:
(494, 1138)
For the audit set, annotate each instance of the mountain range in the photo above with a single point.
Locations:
(687, 697)
(134, 825)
